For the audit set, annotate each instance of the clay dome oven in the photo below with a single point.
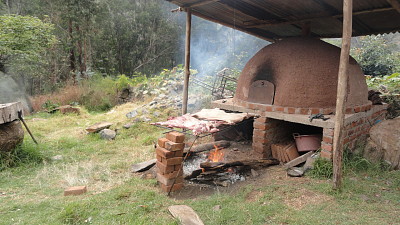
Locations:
(299, 73)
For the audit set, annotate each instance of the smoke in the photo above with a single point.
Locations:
(214, 47)
(12, 91)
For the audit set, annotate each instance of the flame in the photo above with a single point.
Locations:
(216, 155)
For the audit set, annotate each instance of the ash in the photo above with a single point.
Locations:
(194, 163)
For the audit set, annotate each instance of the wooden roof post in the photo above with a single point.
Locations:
(187, 60)
(342, 94)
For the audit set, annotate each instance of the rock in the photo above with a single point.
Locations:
(145, 92)
(254, 173)
(386, 141)
(295, 172)
(156, 114)
(146, 119)
(217, 208)
(128, 125)
(152, 103)
(57, 158)
(132, 114)
(108, 134)
(185, 214)
(98, 127)
(11, 135)
(162, 96)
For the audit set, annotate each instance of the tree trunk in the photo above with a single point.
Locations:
(72, 65)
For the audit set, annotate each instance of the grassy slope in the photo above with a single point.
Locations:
(33, 194)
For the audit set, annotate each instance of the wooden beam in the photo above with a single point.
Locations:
(341, 95)
(315, 17)
(395, 4)
(199, 3)
(187, 60)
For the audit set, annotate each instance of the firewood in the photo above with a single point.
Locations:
(210, 146)
(251, 163)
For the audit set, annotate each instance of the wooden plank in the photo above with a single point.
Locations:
(187, 60)
(143, 166)
(298, 160)
(342, 94)
(9, 112)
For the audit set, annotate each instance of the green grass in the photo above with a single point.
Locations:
(31, 192)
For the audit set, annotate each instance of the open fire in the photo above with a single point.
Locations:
(216, 155)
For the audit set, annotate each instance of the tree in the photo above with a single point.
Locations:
(23, 37)
(376, 55)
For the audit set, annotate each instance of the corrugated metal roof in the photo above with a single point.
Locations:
(274, 19)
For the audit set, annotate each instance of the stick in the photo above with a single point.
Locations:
(26, 126)
(187, 154)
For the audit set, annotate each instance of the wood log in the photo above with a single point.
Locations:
(342, 94)
(187, 60)
(9, 112)
(209, 146)
(251, 163)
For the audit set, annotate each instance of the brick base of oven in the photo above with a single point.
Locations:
(268, 131)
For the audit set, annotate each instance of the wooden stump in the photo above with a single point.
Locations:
(11, 135)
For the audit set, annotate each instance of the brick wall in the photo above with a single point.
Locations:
(268, 131)
(355, 131)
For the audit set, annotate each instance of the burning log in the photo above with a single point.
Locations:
(207, 166)
(210, 146)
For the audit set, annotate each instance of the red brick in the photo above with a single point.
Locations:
(327, 139)
(326, 155)
(78, 190)
(363, 108)
(349, 111)
(259, 133)
(260, 148)
(327, 111)
(315, 111)
(260, 140)
(268, 108)
(328, 132)
(263, 155)
(161, 142)
(165, 188)
(261, 120)
(172, 146)
(164, 153)
(304, 111)
(279, 109)
(368, 107)
(326, 147)
(261, 126)
(252, 106)
(169, 181)
(175, 137)
(172, 174)
(291, 110)
(170, 161)
(162, 168)
(178, 153)
(357, 109)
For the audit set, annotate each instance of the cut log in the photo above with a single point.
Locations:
(251, 163)
(9, 112)
(209, 146)
(143, 166)
(185, 214)
(98, 127)
(11, 135)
